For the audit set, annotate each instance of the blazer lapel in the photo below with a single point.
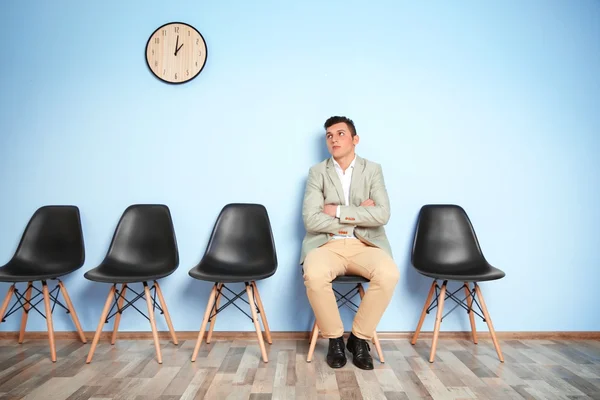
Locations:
(357, 173)
(335, 180)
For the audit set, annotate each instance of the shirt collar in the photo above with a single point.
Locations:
(335, 163)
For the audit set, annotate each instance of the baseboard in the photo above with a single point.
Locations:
(297, 335)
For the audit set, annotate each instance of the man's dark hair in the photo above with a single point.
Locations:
(336, 120)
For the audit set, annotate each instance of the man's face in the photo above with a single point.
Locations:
(340, 142)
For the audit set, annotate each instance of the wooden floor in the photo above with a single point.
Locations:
(534, 369)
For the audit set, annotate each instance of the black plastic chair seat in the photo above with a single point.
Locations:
(350, 279)
(215, 271)
(240, 248)
(127, 273)
(51, 246)
(143, 247)
(464, 273)
(446, 247)
(19, 271)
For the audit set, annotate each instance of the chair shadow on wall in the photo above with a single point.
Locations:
(414, 286)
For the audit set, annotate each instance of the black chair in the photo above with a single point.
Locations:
(240, 249)
(345, 299)
(143, 248)
(51, 247)
(445, 247)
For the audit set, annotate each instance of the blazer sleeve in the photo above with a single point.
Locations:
(315, 220)
(373, 216)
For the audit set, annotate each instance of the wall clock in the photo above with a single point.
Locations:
(176, 52)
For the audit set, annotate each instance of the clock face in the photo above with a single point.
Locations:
(176, 52)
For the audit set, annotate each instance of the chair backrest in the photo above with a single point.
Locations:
(145, 237)
(53, 240)
(242, 237)
(444, 238)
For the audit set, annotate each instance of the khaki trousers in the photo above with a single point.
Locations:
(349, 257)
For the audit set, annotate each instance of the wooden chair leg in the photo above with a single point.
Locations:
(424, 312)
(26, 308)
(489, 322)
(261, 343)
(314, 336)
(103, 316)
(163, 305)
(113, 339)
(214, 319)
(46, 295)
(263, 316)
(438, 321)
(378, 348)
(65, 294)
(361, 292)
(152, 322)
(209, 305)
(471, 313)
(6, 301)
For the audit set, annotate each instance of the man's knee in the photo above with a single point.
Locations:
(386, 273)
(316, 275)
(316, 268)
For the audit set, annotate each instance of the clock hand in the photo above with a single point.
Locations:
(179, 48)
(176, 45)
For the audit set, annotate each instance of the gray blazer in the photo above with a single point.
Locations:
(324, 187)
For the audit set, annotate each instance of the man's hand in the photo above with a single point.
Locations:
(330, 209)
(368, 203)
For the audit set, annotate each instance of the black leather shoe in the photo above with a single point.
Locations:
(336, 355)
(360, 351)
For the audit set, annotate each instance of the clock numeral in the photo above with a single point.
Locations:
(175, 76)
(196, 63)
(157, 40)
(189, 32)
(152, 51)
(197, 41)
(176, 29)
(187, 72)
(199, 54)
(156, 63)
(164, 71)
(164, 31)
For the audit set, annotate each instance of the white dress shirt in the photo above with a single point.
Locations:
(345, 178)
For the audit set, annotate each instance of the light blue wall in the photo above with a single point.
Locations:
(494, 106)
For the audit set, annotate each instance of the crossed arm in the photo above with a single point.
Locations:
(321, 218)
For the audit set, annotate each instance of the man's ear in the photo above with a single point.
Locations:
(355, 140)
